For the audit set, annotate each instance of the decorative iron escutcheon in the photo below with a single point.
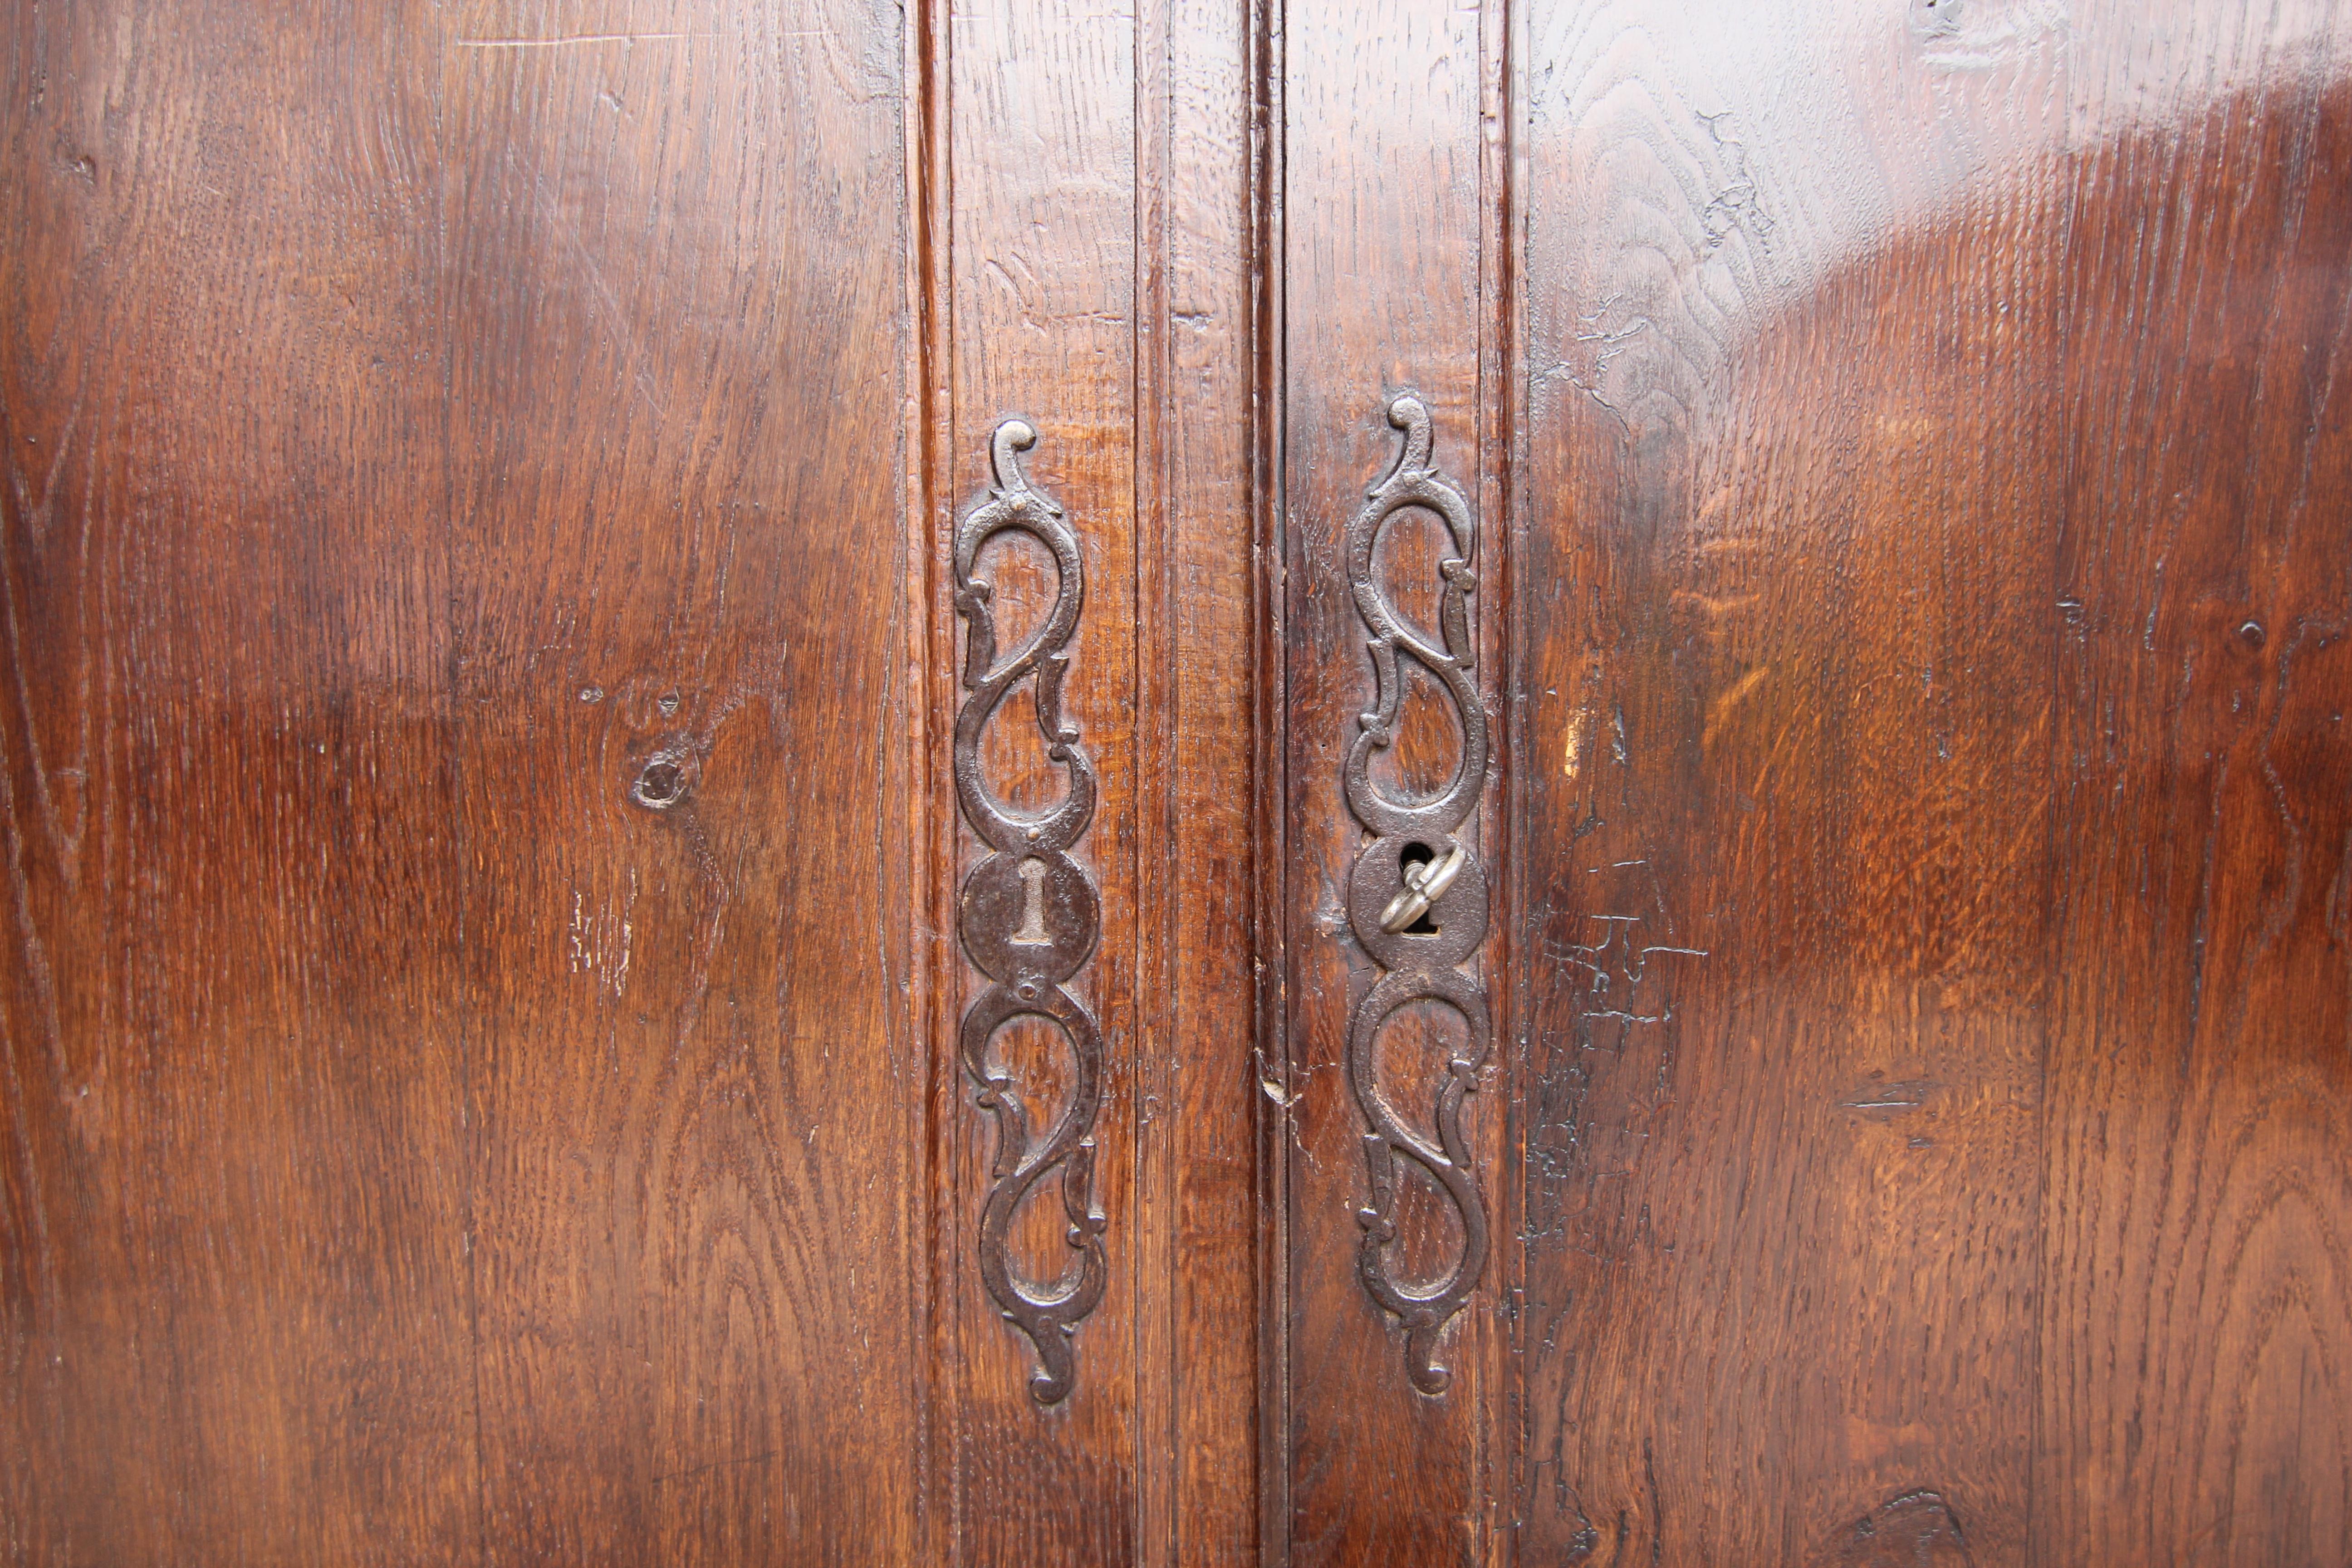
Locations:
(1418, 899)
(1029, 918)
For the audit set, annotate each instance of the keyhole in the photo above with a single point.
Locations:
(1407, 859)
(1033, 906)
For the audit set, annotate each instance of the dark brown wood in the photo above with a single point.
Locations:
(478, 662)
(2196, 1311)
(1091, 273)
(1197, 388)
(1934, 1095)
(1270, 806)
(443, 437)
(234, 1292)
(675, 320)
(1382, 222)
(1791, 516)
(1037, 262)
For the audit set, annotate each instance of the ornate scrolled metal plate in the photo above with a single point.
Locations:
(1420, 963)
(1029, 918)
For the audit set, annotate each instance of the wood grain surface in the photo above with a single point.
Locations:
(456, 1107)
(1381, 246)
(673, 301)
(478, 1009)
(234, 1295)
(2195, 1315)
(1198, 378)
(1789, 633)
(1095, 175)
(1934, 519)
(1040, 296)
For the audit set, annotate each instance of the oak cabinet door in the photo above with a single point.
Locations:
(1911, 474)
(1023, 784)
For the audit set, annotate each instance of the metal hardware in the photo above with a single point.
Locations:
(1385, 897)
(1029, 918)
(1424, 884)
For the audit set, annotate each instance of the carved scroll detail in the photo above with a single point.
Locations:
(1421, 959)
(1029, 918)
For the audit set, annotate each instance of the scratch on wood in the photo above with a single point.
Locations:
(1886, 1101)
(573, 38)
(1734, 206)
(1721, 710)
(1608, 343)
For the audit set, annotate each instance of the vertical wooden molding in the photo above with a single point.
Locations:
(1269, 773)
(1501, 1463)
(1382, 257)
(1193, 1386)
(1036, 253)
(930, 833)
(1197, 724)
(1159, 1151)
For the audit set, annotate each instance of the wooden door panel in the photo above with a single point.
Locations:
(1921, 467)
(676, 304)
(1039, 293)
(1384, 239)
(1792, 503)
(487, 943)
(469, 608)
(2196, 1309)
(1086, 178)
(233, 1267)
(483, 1019)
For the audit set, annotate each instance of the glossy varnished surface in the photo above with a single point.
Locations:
(1381, 228)
(477, 662)
(673, 688)
(2195, 1317)
(1933, 507)
(456, 1110)
(1086, 270)
(233, 1213)
(1039, 292)
(482, 986)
